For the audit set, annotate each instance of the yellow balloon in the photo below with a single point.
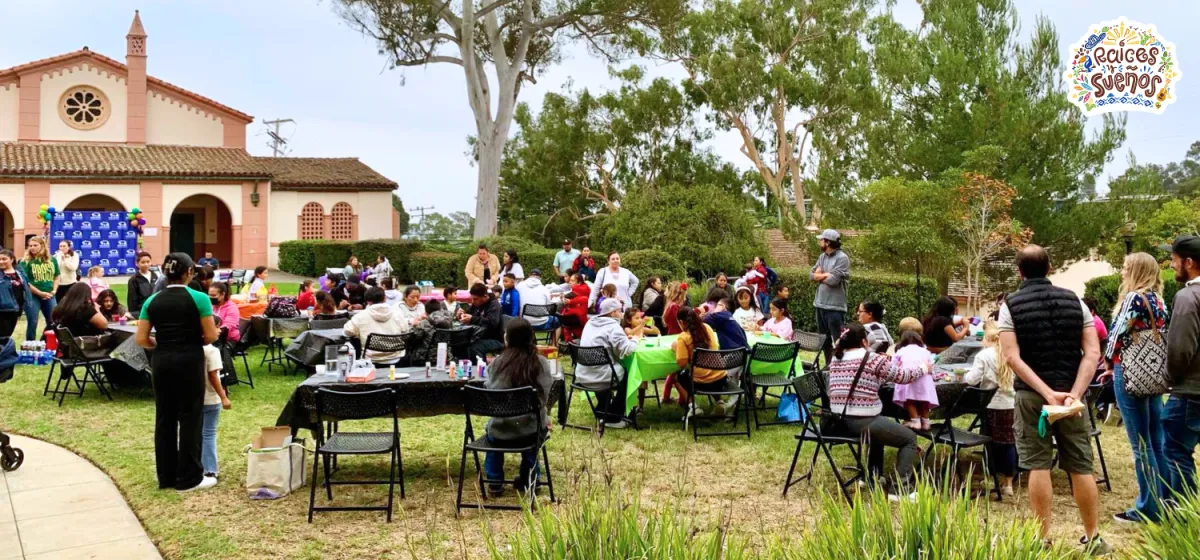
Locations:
(45, 207)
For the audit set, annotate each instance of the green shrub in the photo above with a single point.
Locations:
(311, 257)
(652, 262)
(531, 254)
(443, 269)
(1104, 290)
(397, 251)
(897, 293)
(1177, 535)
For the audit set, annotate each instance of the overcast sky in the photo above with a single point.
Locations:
(296, 59)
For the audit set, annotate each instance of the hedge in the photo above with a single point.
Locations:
(443, 269)
(1104, 290)
(897, 293)
(531, 254)
(311, 257)
(645, 263)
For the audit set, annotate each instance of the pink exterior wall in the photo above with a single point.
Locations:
(395, 224)
(29, 111)
(235, 133)
(250, 239)
(37, 193)
(135, 86)
(152, 209)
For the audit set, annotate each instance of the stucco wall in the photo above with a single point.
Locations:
(169, 121)
(231, 195)
(61, 194)
(206, 230)
(8, 112)
(13, 196)
(55, 83)
(374, 211)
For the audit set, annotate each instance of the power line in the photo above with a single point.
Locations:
(278, 143)
(419, 210)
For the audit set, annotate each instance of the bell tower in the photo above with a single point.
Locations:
(135, 83)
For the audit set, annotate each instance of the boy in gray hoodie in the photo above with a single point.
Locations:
(605, 330)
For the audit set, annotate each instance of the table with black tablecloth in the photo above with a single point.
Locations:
(126, 349)
(961, 352)
(308, 349)
(417, 396)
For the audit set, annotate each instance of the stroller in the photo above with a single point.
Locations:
(10, 457)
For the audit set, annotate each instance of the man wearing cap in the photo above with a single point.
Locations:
(1049, 341)
(830, 273)
(484, 314)
(564, 259)
(605, 330)
(1181, 414)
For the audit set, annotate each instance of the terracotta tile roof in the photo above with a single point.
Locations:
(323, 174)
(101, 60)
(101, 161)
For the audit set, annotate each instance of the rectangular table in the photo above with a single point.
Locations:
(417, 396)
(655, 359)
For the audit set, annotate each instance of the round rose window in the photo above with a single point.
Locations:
(84, 107)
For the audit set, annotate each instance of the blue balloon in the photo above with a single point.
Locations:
(51, 210)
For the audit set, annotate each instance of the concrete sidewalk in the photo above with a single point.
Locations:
(58, 505)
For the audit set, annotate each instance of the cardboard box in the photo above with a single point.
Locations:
(272, 437)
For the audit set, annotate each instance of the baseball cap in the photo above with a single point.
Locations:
(536, 272)
(566, 242)
(830, 235)
(1186, 246)
(610, 305)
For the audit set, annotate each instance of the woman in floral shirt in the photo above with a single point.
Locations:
(1141, 309)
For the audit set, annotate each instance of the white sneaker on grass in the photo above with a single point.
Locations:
(616, 425)
(205, 483)
(912, 497)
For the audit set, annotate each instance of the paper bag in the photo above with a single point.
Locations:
(1053, 413)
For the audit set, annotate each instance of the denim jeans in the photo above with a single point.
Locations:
(1143, 427)
(493, 464)
(1181, 431)
(34, 304)
(208, 453)
(764, 299)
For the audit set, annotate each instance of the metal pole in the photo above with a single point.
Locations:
(918, 313)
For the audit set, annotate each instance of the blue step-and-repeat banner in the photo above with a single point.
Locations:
(102, 238)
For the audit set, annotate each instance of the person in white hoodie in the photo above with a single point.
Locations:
(605, 330)
(532, 292)
(377, 318)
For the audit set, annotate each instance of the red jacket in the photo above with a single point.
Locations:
(759, 283)
(575, 311)
(306, 300)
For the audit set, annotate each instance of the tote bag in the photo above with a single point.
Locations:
(274, 473)
(1144, 361)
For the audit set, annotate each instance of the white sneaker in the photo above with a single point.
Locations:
(896, 497)
(205, 483)
(616, 426)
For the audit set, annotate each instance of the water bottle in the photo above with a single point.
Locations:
(344, 362)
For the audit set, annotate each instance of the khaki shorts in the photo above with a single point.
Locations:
(1070, 436)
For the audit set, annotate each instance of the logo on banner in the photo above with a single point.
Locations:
(68, 225)
(93, 235)
(104, 244)
(114, 235)
(59, 235)
(123, 263)
(85, 244)
(76, 215)
(1122, 65)
(114, 216)
(95, 253)
(131, 234)
(77, 234)
(85, 225)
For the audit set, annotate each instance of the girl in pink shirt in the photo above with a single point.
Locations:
(780, 322)
(96, 282)
(225, 309)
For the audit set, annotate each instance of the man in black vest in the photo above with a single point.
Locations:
(1050, 342)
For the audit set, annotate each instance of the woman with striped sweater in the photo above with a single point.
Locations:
(855, 376)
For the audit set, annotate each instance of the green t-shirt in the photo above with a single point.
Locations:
(41, 274)
(203, 303)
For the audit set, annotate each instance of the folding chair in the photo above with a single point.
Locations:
(810, 388)
(74, 357)
(503, 403)
(594, 356)
(811, 342)
(237, 279)
(385, 343)
(764, 353)
(734, 359)
(326, 324)
(239, 349)
(278, 331)
(965, 400)
(458, 341)
(1089, 399)
(534, 311)
(339, 406)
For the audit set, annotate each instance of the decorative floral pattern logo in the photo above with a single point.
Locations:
(1122, 65)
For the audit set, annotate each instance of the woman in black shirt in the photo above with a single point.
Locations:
(182, 320)
(77, 313)
(18, 288)
(941, 330)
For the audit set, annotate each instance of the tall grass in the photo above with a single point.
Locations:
(1176, 536)
(938, 525)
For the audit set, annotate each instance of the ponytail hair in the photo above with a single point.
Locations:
(695, 327)
(852, 338)
(176, 266)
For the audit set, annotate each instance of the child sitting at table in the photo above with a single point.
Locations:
(608, 291)
(780, 323)
(450, 300)
(990, 371)
(215, 399)
(635, 324)
(96, 282)
(306, 297)
(510, 299)
(920, 395)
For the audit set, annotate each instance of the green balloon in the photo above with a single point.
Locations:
(135, 210)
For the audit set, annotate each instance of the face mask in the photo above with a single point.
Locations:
(214, 301)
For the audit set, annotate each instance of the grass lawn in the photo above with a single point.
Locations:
(729, 477)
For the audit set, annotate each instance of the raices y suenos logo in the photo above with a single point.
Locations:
(1122, 65)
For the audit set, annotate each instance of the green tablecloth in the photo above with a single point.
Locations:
(654, 359)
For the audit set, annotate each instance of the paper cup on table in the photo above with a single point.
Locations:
(441, 355)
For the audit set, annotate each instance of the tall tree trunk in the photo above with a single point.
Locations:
(487, 198)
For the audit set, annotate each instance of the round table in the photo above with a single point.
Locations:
(654, 359)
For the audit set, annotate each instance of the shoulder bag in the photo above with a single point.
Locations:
(1144, 360)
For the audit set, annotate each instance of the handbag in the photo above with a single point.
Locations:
(789, 408)
(1144, 360)
(283, 307)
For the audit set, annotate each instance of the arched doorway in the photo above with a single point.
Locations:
(202, 223)
(100, 202)
(6, 227)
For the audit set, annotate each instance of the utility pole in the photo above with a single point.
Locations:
(419, 210)
(278, 143)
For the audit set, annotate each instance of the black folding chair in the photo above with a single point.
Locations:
(237, 279)
(339, 406)
(535, 311)
(73, 357)
(385, 343)
(239, 349)
(824, 428)
(811, 342)
(594, 356)
(503, 403)
(964, 400)
(764, 353)
(458, 341)
(278, 331)
(1089, 398)
(326, 324)
(725, 360)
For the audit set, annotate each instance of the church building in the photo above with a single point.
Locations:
(82, 131)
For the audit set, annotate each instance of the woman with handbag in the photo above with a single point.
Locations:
(1136, 359)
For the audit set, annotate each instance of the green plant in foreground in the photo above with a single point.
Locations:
(938, 525)
(1176, 536)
